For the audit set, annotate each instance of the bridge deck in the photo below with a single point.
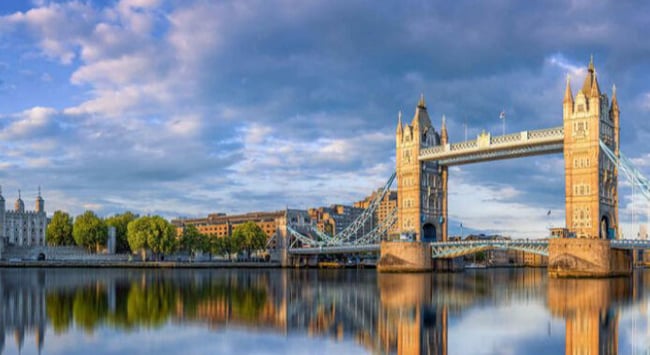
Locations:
(453, 249)
(486, 148)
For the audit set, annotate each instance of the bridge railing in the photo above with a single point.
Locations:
(487, 142)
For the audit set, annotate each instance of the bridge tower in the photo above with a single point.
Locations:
(591, 179)
(421, 189)
(591, 186)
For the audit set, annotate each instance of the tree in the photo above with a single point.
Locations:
(137, 234)
(251, 235)
(162, 236)
(153, 233)
(59, 230)
(89, 231)
(226, 246)
(121, 223)
(192, 240)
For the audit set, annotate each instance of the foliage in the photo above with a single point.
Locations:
(90, 307)
(153, 233)
(193, 241)
(121, 223)
(89, 231)
(59, 230)
(58, 306)
(252, 237)
(226, 245)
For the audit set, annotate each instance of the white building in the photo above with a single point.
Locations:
(20, 227)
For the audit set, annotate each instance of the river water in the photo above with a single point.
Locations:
(273, 311)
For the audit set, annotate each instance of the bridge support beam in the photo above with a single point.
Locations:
(405, 257)
(585, 257)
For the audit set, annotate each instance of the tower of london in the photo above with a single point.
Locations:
(20, 227)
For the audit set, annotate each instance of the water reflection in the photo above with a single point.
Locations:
(383, 314)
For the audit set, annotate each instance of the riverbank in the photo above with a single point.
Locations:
(138, 264)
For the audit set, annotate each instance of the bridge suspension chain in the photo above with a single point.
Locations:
(351, 231)
(625, 165)
(375, 235)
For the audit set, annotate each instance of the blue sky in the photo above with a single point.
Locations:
(189, 107)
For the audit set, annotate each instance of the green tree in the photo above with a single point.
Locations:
(136, 234)
(193, 241)
(89, 231)
(226, 246)
(252, 237)
(153, 233)
(59, 230)
(121, 223)
(162, 236)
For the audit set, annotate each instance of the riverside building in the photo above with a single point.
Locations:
(20, 227)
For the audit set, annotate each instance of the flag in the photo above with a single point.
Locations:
(502, 115)
(548, 213)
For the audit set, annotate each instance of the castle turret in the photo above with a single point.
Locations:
(2, 214)
(40, 203)
(19, 206)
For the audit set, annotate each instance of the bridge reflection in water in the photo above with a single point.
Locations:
(381, 313)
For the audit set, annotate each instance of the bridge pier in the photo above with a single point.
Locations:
(405, 257)
(586, 257)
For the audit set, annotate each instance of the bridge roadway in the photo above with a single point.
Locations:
(486, 148)
(452, 249)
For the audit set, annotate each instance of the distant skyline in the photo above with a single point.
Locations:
(184, 108)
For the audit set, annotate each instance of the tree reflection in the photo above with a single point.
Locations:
(153, 302)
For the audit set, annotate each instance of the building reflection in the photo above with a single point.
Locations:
(385, 313)
(590, 308)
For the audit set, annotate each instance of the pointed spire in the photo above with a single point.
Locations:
(614, 105)
(19, 194)
(421, 103)
(39, 191)
(590, 80)
(443, 131)
(399, 122)
(568, 95)
(595, 89)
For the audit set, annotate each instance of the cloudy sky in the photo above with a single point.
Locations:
(187, 107)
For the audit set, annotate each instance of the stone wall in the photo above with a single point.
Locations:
(21, 253)
(582, 257)
(405, 257)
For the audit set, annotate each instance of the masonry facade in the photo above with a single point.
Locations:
(23, 228)
(421, 186)
(591, 178)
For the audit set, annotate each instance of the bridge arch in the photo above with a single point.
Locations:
(604, 227)
(428, 232)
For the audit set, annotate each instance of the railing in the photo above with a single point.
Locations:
(541, 138)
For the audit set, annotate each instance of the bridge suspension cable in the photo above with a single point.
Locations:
(625, 165)
(352, 230)
(349, 236)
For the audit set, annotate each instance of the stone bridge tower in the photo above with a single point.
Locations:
(591, 178)
(591, 187)
(421, 197)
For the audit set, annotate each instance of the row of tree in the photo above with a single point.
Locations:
(152, 233)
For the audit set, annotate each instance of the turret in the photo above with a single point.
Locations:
(568, 96)
(421, 117)
(19, 206)
(614, 114)
(444, 139)
(40, 203)
(2, 217)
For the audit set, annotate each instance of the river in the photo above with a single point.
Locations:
(275, 311)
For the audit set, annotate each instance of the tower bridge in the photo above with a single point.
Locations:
(589, 141)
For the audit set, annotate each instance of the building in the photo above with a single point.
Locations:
(422, 186)
(335, 218)
(385, 208)
(20, 227)
(591, 180)
(222, 225)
